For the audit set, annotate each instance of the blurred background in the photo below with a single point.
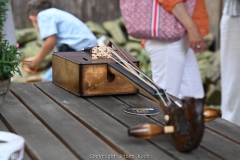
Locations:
(103, 17)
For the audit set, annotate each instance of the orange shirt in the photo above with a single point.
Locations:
(200, 15)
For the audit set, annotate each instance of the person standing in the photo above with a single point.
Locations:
(174, 65)
(229, 61)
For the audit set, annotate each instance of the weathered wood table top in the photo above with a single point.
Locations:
(57, 124)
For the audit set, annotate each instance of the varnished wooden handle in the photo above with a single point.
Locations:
(147, 130)
(211, 114)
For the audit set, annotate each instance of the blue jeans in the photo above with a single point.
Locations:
(63, 48)
(48, 75)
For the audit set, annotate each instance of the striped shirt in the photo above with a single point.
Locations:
(232, 7)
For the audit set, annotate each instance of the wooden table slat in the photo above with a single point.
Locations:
(2, 125)
(57, 124)
(63, 125)
(229, 130)
(164, 141)
(4, 128)
(221, 146)
(39, 140)
(104, 124)
(215, 124)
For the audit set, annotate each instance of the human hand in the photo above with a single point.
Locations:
(32, 62)
(195, 39)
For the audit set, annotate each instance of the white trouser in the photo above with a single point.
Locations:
(175, 68)
(230, 68)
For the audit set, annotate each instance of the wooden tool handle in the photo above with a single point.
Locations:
(147, 130)
(211, 114)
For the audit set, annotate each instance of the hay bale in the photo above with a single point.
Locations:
(96, 28)
(115, 31)
(26, 35)
(213, 95)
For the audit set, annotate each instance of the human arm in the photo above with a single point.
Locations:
(34, 21)
(195, 39)
(178, 9)
(47, 46)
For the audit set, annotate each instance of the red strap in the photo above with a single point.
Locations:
(155, 18)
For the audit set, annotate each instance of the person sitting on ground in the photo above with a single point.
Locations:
(57, 28)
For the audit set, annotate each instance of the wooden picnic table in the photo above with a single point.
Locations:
(57, 124)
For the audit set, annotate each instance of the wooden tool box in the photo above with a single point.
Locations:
(78, 73)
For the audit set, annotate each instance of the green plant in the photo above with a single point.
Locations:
(10, 57)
